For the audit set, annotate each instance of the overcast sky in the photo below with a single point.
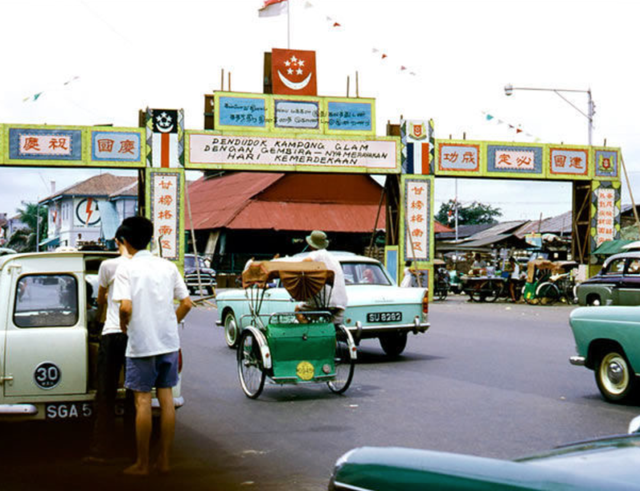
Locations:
(99, 61)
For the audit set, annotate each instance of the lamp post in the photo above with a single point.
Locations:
(591, 110)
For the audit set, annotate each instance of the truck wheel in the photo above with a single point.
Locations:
(231, 330)
(393, 344)
(614, 376)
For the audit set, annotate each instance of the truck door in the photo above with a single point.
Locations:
(46, 341)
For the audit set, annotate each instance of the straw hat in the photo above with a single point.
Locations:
(318, 239)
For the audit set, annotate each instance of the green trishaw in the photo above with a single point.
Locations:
(293, 347)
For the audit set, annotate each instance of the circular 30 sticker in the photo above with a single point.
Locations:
(47, 375)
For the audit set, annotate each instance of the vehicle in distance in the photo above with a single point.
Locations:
(207, 275)
(49, 336)
(604, 464)
(617, 283)
(377, 309)
(608, 342)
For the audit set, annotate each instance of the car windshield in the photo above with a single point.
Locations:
(190, 262)
(364, 274)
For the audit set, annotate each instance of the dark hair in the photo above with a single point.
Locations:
(137, 231)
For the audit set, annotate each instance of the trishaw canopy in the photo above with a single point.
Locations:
(302, 279)
(554, 267)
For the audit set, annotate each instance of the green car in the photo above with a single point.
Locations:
(608, 342)
(609, 464)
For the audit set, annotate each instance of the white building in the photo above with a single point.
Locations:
(91, 210)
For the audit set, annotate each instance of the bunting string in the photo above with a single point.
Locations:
(378, 53)
(37, 95)
(517, 128)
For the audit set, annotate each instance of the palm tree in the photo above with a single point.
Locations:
(25, 239)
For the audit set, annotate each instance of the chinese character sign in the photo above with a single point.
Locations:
(165, 211)
(458, 157)
(606, 215)
(514, 159)
(569, 162)
(45, 144)
(113, 146)
(417, 214)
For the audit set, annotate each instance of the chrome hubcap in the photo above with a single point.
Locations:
(615, 373)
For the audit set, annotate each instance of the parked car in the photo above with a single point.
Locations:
(379, 310)
(608, 342)
(604, 464)
(617, 283)
(49, 336)
(207, 275)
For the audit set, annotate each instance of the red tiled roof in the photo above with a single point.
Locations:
(100, 185)
(439, 228)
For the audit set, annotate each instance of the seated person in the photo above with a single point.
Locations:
(368, 277)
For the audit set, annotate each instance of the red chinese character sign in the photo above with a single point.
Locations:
(605, 212)
(293, 72)
(570, 162)
(417, 221)
(164, 204)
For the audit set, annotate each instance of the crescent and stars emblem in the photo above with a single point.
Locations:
(294, 67)
(164, 122)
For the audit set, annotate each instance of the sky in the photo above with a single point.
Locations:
(100, 61)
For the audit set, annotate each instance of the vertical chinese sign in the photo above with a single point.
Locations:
(416, 227)
(165, 189)
(605, 213)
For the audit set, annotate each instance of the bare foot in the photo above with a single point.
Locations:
(136, 470)
(163, 467)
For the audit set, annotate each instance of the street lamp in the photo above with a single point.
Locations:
(508, 90)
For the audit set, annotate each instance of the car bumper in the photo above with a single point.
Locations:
(373, 331)
(578, 361)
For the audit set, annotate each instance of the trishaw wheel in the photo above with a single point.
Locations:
(344, 364)
(231, 330)
(548, 294)
(493, 289)
(250, 369)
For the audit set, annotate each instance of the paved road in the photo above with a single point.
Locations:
(486, 379)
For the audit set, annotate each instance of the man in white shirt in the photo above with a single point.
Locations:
(337, 294)
(146, 287)
(111, 359)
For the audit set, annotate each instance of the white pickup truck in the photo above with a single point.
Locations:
(48, 335)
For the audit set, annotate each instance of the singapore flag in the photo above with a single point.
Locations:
(293, 72)
(271, 8)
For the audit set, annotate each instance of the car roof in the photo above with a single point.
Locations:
(343, 257)
(634, 255)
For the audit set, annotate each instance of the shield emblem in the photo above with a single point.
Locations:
(418, 131)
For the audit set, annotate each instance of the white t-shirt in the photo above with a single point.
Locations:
(152, 284)
(106, 276)
(407, 279)
(339, 292)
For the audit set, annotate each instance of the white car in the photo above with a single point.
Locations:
(377, 309)
(48, 335)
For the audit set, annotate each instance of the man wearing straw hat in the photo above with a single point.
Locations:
(337, 294)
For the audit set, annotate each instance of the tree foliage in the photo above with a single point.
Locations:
(472, 214)
(26, 239)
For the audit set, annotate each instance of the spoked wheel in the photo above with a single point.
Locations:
(476, 293)
(493, 290)
(250, 369)
(615, 377)
(344, 364)
(442, 293)
(548, 293)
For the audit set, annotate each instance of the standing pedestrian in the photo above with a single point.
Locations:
(146, 287)
(111, 358)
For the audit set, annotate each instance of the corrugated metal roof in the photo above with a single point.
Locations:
(560, 224)
(333, 217)
(498, 229)
(254, 200)
(216, 201)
